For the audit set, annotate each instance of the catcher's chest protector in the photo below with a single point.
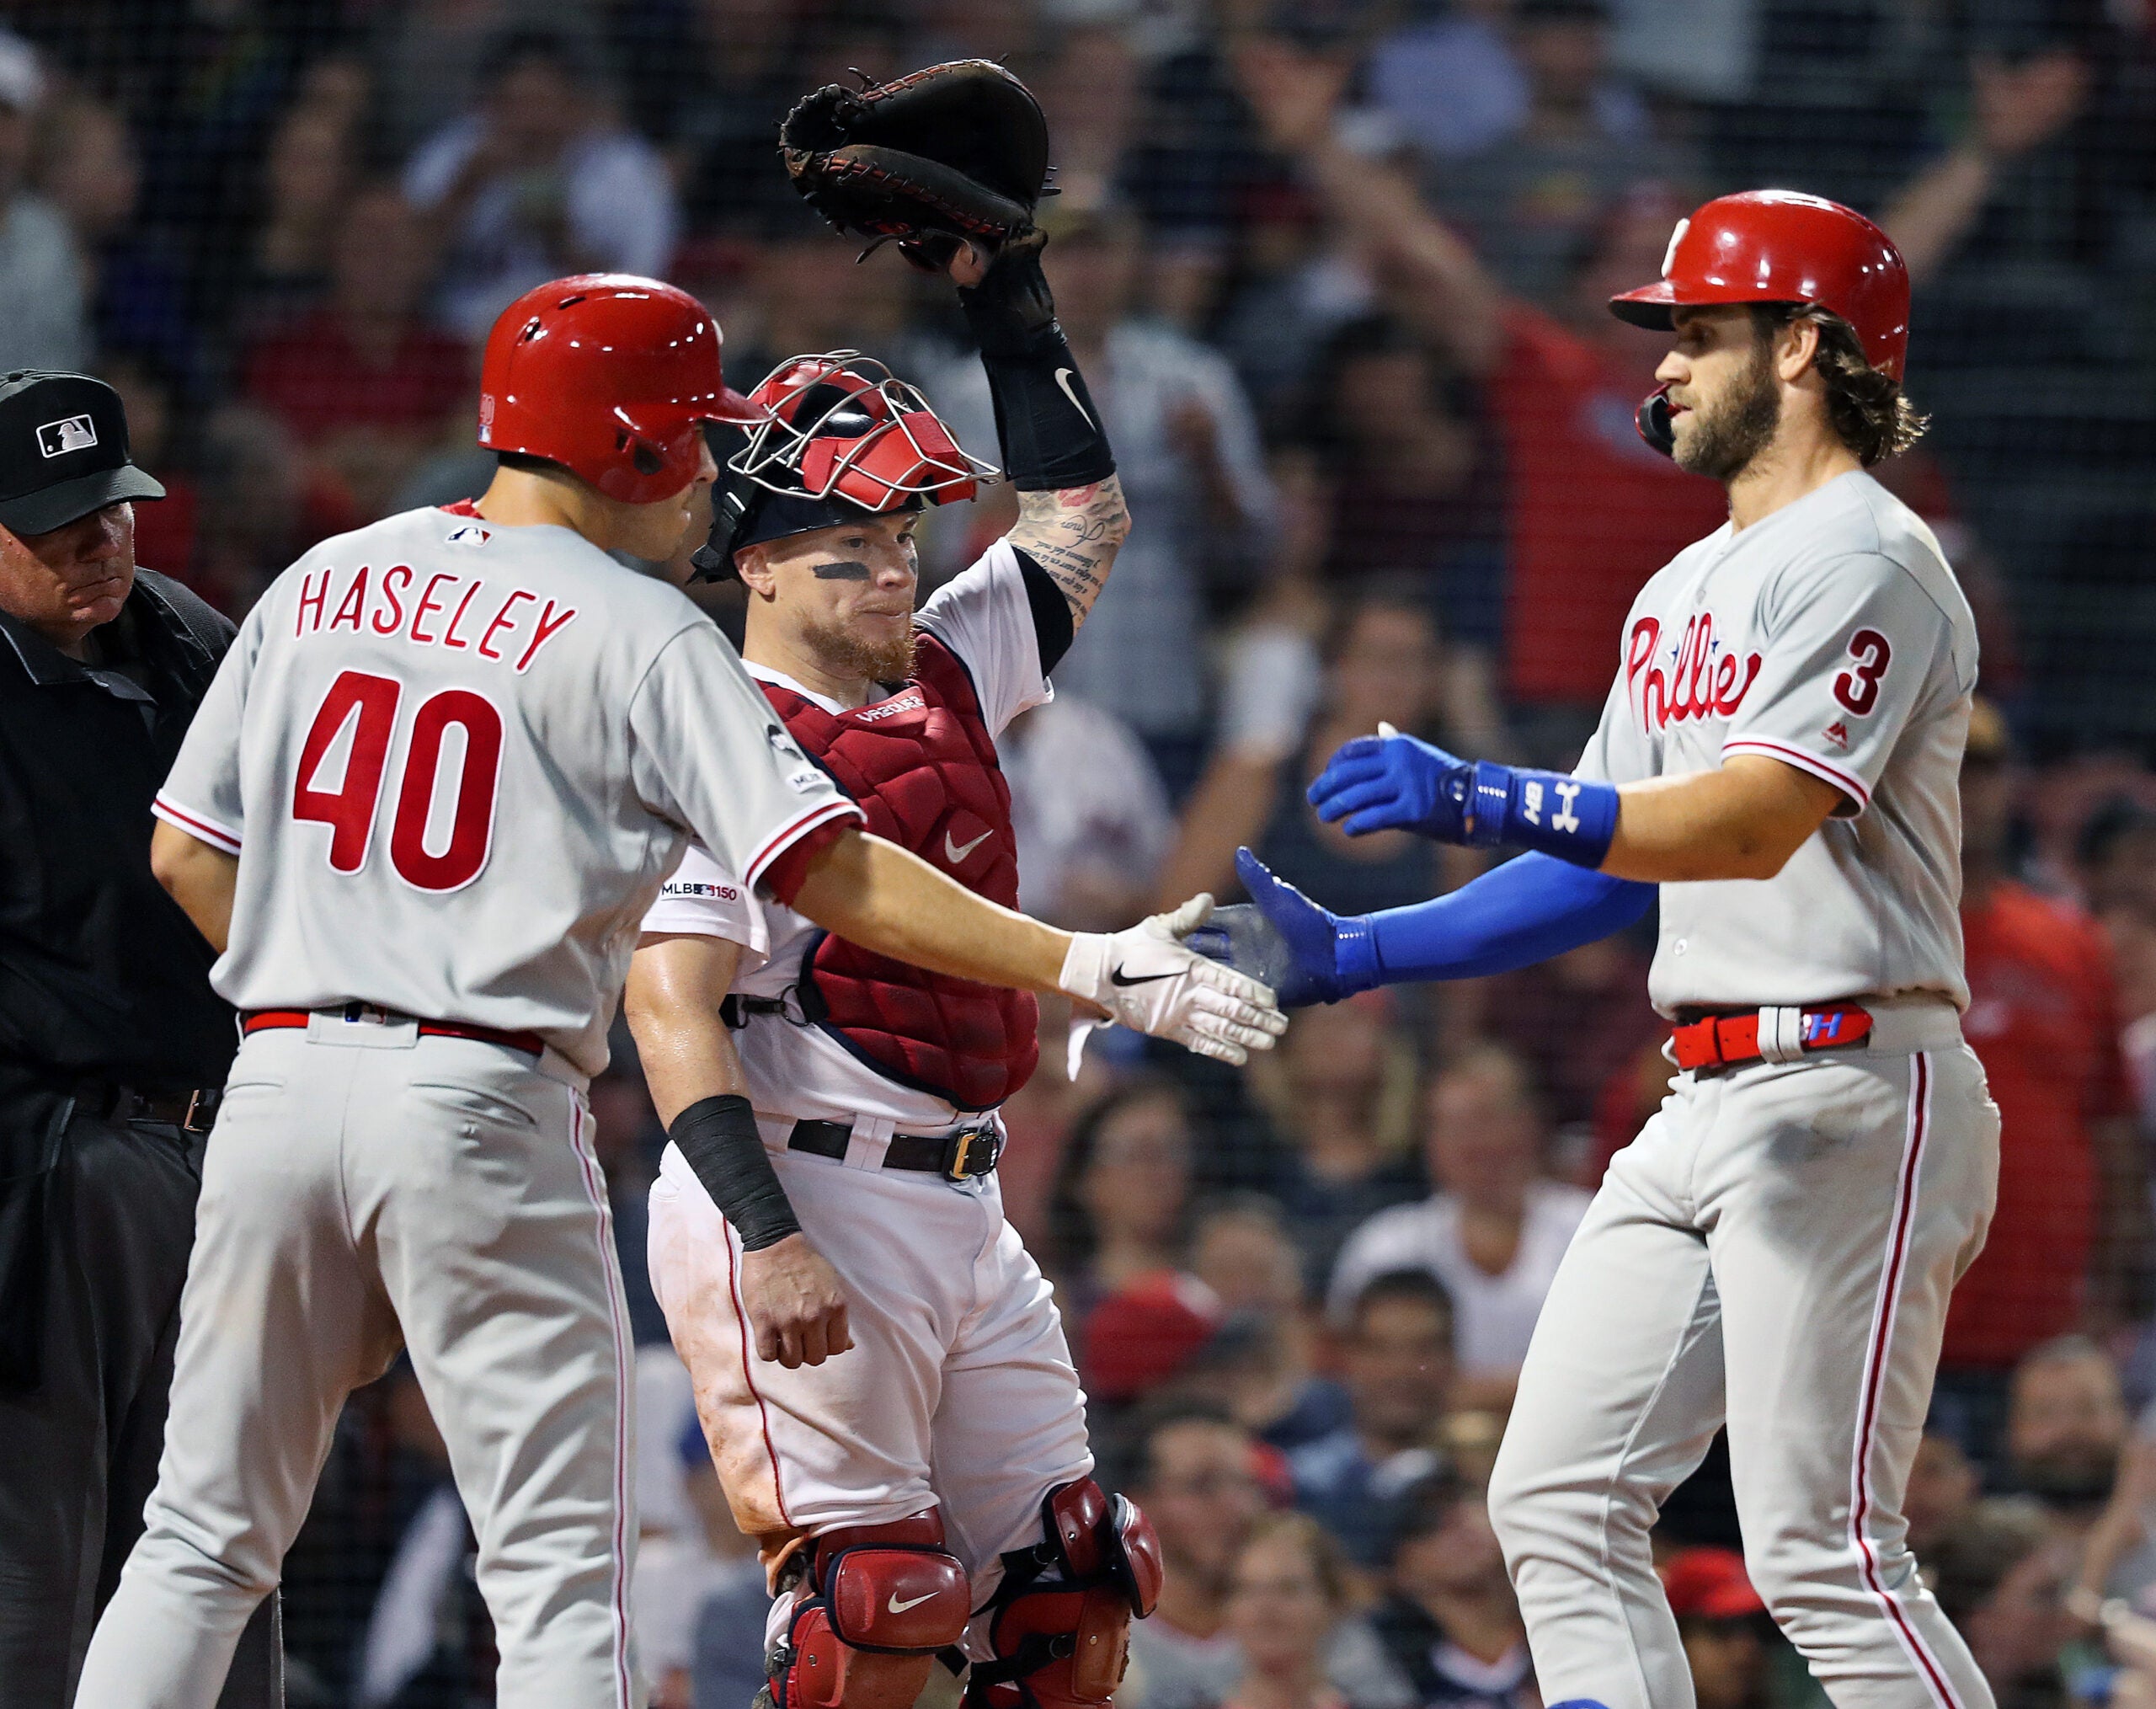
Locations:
(922, 766)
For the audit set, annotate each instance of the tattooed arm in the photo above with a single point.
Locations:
(1073, 534)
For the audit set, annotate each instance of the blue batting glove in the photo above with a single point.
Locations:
(1395, 782)
(1281, 937)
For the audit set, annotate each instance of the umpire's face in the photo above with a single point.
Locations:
(65, 582)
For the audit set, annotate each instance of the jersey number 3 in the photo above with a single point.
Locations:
(367, 706)
(1858, 687)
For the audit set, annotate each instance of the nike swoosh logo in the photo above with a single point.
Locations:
(1119, 977)
(895, 1606)
(956, 852)
(1063, 379)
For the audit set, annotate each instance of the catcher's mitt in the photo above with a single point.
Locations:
(956, 150)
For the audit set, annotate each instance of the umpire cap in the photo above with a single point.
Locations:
(63, 451)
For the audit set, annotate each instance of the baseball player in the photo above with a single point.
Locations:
(879, 1366)
(430, 794)
(1779, 754)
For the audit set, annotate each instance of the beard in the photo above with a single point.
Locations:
(2078, 1477)
(1723, 441)
(844, 653)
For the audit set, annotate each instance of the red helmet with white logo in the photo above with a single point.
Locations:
(611, 376)
(1784, 245)
(838, 438)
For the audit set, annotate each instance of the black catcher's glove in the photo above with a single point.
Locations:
(956, 150)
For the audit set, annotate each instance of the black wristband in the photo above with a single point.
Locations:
(719, 1136)
(1045, 420)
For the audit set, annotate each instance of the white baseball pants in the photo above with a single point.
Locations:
(958, 1392)
(1774, 1252)
(360, 1180)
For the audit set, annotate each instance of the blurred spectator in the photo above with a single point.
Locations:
(93, 177)
(1396, 1362)
(1288, 1595)
(537, 181)
(1492, 1232)
(1197, 1474)
(1456, 84)
(2066, 1428)
(1535, 200)
(1383, 659)
(1999, 1575)
(1591, 512)
(258, 512)
(1341, 1091)
(429, 1640)
(1577, 1022)
(1450, 1622)
(364, 385)
(1414, 484)
(726, 112)
(2015, 108)
(433, 57)
(164, 533)
(1262, 1359)
(1090, 818)
(1186, 450)
(307, 181)
(1723, 1623)
(627, 1138)
(1117, 1227)
(2070, 1238)
(47, 325)
(1943, 1486)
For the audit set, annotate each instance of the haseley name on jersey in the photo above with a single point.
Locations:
(378, 603)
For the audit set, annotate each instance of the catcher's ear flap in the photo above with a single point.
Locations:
(1653, 421)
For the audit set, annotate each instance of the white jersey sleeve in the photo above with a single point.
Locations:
(1851, 645)
(709, 753)
(703, 900)
(985, 615)
(202, 794)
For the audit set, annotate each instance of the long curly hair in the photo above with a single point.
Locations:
(1869, 409)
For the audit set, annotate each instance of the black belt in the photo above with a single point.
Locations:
(190, 1112)
(964, 1156)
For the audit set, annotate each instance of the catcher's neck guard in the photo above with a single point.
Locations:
(843, 440)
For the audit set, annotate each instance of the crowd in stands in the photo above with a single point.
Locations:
(1335, 271)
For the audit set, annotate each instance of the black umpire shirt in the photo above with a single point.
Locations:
(101, 974)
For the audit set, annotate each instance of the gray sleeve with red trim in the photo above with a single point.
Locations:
(710, 754)
(202, 795)
(1852, 645)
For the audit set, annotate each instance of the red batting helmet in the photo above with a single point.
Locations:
(1783, 246)
(610, 376)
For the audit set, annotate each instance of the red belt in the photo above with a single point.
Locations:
(271, 1020)
(1717, 1040)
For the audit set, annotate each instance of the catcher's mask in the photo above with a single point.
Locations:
(843, 440)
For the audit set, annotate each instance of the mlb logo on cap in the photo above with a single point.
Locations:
(70, 433)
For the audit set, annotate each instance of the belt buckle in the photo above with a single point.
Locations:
(959, 1163)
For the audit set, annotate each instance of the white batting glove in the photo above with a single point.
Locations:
(1145, 977)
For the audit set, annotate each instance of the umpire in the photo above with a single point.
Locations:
(111, 1043)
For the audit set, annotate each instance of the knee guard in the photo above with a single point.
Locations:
(1059, 1623)
(866, 1596)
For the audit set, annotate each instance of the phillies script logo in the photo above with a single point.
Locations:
(1695, 677)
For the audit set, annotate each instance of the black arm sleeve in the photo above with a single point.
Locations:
(719, 1136)
(1054, 627)
(1045, 419)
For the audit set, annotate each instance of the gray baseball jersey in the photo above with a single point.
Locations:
(1832, 636)
(458, 761)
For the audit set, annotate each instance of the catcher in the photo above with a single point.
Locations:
(879, 1367)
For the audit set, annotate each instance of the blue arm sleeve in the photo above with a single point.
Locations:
(1527, 910)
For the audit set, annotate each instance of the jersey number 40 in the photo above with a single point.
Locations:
(368, 705)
